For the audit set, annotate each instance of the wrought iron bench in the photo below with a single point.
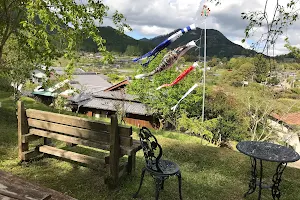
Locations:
(159, 169)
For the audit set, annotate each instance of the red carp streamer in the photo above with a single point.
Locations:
(180, 77)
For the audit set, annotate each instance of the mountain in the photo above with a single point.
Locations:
(116, 41)
(217, 44)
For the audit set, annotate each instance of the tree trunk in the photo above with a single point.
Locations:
(1, 51)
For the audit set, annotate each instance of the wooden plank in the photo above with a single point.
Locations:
(98, 126)
(29, 137)
(78, 132)
(114, 151)
(89, 160)
(126, 141)
(8, 195)
(28, 155)
(69, 139)
(125, 131)
(136, 146)
(73, 131)
(24, 188)
(22, 129)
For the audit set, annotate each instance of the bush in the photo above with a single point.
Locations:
(273, 81)
(197, 127)
(231, 121)
(296, 90)
(30, 86)
(5, 85)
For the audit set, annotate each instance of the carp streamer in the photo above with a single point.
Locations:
(153, 53)
(184, 96)
(169, 59)
(180, 77)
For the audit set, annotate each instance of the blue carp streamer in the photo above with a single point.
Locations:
(153, 53)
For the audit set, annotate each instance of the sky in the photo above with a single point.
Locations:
(158, 17)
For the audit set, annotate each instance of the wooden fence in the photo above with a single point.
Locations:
(114, 138)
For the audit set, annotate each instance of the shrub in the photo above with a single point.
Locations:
(5, 85)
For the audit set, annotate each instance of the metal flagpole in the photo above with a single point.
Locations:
(204, 70)
(205, 13)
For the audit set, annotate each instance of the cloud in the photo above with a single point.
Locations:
(246, 45)
(154, 30)
(157, 17)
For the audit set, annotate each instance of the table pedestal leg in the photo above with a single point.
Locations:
(276, 181)
(260, 179)
(252, 183)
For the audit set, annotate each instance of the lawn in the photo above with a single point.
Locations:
(208, 172)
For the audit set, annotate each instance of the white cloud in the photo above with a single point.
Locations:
(157, 17)
(154, 30)
(239, 42)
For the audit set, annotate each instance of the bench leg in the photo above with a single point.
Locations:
(47, 141)
(131, 163)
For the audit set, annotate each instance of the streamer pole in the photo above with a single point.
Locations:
(204, 71)
(205, 13)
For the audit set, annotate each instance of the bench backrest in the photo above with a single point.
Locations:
(74, 129)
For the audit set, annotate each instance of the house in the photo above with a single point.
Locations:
(290, 119)
(84, 81)
(286, 127)
(38, 76)
(105, 103)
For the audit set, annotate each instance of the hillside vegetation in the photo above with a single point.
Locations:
(209, 173)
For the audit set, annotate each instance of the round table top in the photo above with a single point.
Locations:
(268, 151)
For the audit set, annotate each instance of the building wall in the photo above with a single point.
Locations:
(130, 119)
(140, 121)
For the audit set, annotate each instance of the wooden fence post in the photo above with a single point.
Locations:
(22, 129)
(114, 151)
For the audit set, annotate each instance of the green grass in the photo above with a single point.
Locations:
(209, 173)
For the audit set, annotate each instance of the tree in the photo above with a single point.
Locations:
(247, 71)
(293, 50)
(161, 101)
(273, 80)
(133, 50)
(47, 29)
(261, 68)
(17, 69)
(214, 62)
(285, 14)
(224, 60)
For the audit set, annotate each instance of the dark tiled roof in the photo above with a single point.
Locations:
(111, 101)
(113, 105)
(80, 97)
(90, 82)
(115, 95)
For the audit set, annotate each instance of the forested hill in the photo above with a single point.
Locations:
(117, 42)
(217, 44)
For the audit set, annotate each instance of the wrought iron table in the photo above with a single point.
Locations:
(268, 152)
